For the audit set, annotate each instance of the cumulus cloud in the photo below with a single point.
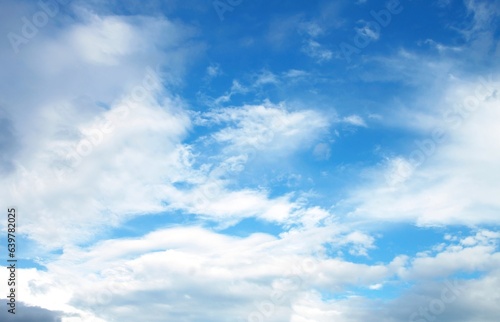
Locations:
(406, 191)
(185, 272)
(124, 275)
(103, 101)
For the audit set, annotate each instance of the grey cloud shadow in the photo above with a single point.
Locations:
(26, 313)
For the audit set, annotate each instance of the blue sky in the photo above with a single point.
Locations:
(252, 160)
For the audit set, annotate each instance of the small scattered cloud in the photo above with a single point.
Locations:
(214, 70)
(368, 31)
(355, 120)
(312, 29)
(295, 73)
(268, 126)
(317, 51)
(265, 77)
(322, 151)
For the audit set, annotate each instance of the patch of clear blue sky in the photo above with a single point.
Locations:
(389, 291)
(26, 251)
(392, 240)
(248, 226)
(141, 225)
(241, 43)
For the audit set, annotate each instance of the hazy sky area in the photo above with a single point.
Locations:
(251, 161)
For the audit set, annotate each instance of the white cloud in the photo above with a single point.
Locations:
(118, 160)
(134, 139)
(293, 73)
(441, 47)
(103, 40)
(213, 70)
(137, 163)
(484, 14)
(312, 29)
(354, 120)
(368, 32)
(445, 178)
(265, 77)
(267, 127)
(184, 272)
(317, 51)
(171, 265)
(322, 151)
